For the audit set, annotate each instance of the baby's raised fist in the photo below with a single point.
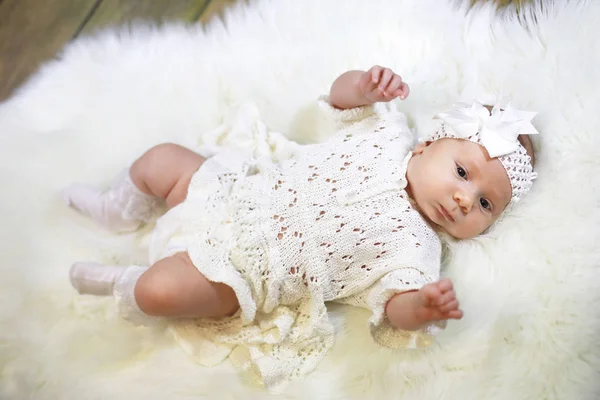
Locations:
(380, 84)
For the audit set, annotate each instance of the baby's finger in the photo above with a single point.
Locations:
(366, 82)
(375, 73)
(445, 285)
(446, 298)
(405, 91)
(386, 76)
(393, 86)
(455, 314)
(450, 306)
(431, 294)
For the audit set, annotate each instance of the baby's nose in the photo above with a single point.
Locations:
(464, 200)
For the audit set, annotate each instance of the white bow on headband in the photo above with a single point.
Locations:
(498, 130)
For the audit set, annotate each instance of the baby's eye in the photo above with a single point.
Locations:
(484, 203)
(461, 171)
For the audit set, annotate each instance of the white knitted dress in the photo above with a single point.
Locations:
(332, 223)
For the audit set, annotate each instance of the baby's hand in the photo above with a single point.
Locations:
(381, 84)
(437, 301)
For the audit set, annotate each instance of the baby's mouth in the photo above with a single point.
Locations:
(445, 214)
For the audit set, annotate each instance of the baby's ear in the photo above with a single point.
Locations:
(420, 147)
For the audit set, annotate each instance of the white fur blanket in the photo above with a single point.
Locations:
(529, 289)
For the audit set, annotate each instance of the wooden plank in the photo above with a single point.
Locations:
(215, 8)
(122, 12)
(33, 31)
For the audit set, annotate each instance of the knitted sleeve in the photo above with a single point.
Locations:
(337, 119)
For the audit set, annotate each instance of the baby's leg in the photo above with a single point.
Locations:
(172, 287)
(161, 175)
(165, 171)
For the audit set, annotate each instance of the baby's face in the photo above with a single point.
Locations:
(458, 188)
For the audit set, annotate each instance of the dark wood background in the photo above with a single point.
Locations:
(33, 31)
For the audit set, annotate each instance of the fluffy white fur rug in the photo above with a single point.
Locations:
(529, 289)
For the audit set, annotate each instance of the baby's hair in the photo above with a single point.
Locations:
(524, 140)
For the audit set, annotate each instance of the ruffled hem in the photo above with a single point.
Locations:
(270, 352)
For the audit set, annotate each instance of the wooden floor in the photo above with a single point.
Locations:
(33, 31)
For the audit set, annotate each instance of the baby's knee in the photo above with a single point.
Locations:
(173, 287)
(165, 150)
(157, 295)
(154, 157)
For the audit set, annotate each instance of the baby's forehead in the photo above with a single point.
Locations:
(468, 146)
(464, 142)
(478, 155)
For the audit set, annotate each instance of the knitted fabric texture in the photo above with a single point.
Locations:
(331, 223)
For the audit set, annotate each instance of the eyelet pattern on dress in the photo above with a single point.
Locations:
(332, 223)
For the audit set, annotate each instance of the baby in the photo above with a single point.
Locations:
(251, 249)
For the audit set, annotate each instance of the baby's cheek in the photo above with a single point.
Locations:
(472, 227)
(483, 226)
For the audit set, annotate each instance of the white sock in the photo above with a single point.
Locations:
(94, 278)
(123, 291)
(105, 280)
(121, 208)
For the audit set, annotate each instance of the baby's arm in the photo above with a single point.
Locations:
(414, 309)
(360, 88)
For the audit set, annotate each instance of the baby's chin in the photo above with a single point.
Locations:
(449, 232)
(439, 229)
(429, 218)
(458, 234)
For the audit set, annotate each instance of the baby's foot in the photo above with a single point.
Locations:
(105, 207)
(437, 301)
(93, 278)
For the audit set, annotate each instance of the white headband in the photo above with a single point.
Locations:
(498, 132)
